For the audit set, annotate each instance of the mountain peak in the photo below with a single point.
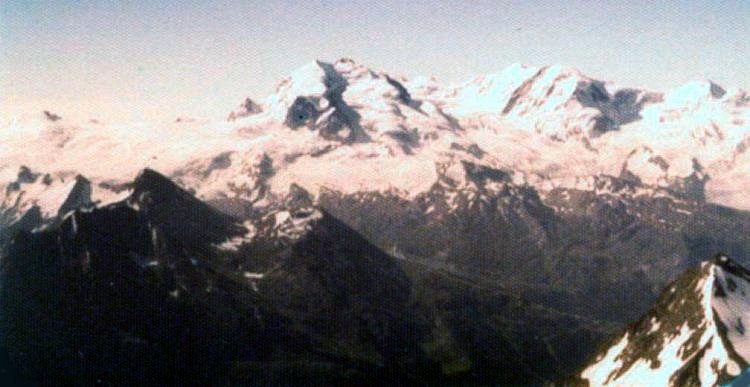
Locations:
(246, 108)
(51, 116)
(150, 180)
(692, 94)
(695, 334)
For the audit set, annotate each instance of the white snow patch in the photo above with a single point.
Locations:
(233, 244)
(251, 275)
(598, 373)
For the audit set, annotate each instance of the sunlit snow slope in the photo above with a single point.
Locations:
(346, 127)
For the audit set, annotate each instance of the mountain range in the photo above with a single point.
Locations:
(356, 227)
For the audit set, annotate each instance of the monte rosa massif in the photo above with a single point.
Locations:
(529, 227)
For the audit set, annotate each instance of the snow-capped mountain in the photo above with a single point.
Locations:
(694, 335)
(564, 202)
(343, 126)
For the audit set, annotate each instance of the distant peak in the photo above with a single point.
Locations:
(716, 90)
(152, 184)
(246, 108)
(51, 116)
(695, 92)
(560, 70)
(345, 62)
(148, 177)
(517, 65)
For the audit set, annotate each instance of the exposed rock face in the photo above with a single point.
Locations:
(302, 112)
(618, 109)
(119, 297)
(716, 90)
(643, 166)
(247, 108)
(79, 196)
(51, 116)
(327, 113)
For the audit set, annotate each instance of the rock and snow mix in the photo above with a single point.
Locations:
(343, 126)
(694, 335)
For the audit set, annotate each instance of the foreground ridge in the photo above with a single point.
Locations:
(694, 335)
(161, 287)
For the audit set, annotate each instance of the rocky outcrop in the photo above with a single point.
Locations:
(247, 108)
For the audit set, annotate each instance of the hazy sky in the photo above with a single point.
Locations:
(148, 60)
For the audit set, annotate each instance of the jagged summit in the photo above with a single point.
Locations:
(694, 335)
(50, 194)
(173, 210)
(158, 186)
(543, 97)
(246, 108)
(51, 116)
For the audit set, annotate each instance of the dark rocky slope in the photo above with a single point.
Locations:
(143, 292)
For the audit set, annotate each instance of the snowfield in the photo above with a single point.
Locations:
(343, 126)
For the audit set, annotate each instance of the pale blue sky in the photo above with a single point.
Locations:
(145, 60)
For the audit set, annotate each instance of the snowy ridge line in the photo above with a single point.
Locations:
(695, 334)
(346, 127)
